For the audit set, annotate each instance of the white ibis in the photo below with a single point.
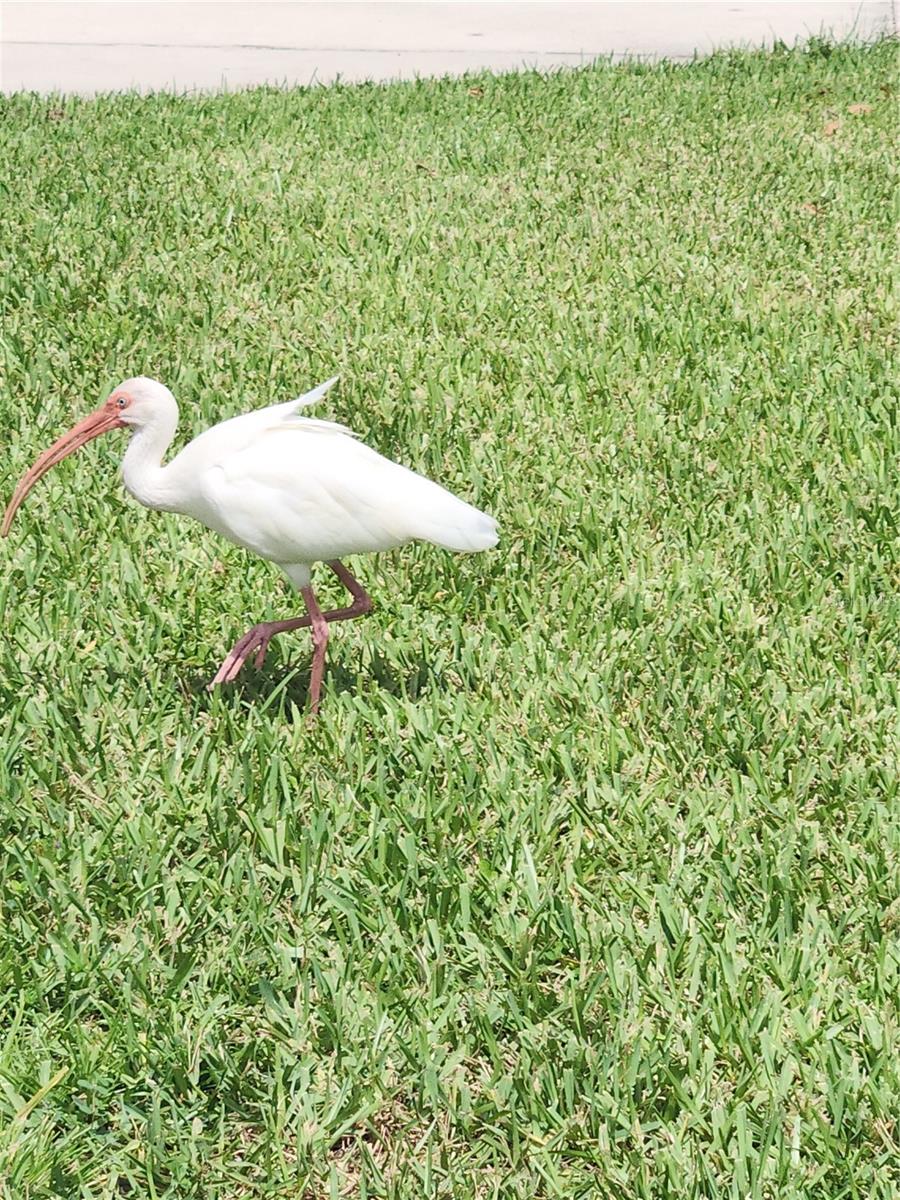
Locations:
(292, 489)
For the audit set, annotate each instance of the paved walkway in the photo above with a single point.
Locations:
(101, 47)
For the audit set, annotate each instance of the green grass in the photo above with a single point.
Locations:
(585, 884)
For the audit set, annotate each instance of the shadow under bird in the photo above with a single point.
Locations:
(292, 489)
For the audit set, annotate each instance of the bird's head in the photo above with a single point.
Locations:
(140, 402)
(137, 403)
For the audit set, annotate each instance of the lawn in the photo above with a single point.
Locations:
(586, 883)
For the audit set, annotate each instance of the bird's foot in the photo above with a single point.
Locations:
(256, 639)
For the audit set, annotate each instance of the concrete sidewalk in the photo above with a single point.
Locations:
(100, 47)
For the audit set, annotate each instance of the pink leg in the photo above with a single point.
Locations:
(320, 645)
(257, 639)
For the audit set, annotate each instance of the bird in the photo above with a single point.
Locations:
(293, 489)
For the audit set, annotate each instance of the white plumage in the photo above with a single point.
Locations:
(293, 489)
(297, 491)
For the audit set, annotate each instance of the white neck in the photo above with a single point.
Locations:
(142, 471)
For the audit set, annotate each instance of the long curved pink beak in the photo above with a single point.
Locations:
(102, 420)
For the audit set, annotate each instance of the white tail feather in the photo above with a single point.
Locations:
(444, 519)
(470, 537)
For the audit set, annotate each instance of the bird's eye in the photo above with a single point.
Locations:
(121, 401)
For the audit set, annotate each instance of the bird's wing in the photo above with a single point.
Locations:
(296, 489)
(304, 491)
